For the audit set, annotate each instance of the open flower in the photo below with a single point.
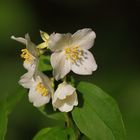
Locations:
(65, 97)
(40, 89)
(29, 54)
(71, 53)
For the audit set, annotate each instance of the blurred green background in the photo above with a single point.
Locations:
(116, 50)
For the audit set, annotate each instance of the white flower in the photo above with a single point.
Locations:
(29, 54)
(71, 53)
(40, 88)
(65, 97)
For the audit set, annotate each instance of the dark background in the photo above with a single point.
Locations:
(116, 50)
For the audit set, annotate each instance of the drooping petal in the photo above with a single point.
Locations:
(26, 80)
(58, 41)
(61, 66)
(86, 65)
(19, 39)
(84, 38)
(31, 47)
(33, 94)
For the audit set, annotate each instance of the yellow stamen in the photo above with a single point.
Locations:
(42, 89)
(73, 53)
(26, 55)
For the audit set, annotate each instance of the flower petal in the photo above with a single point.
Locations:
(26, 80)
(19, 39)
(33, 94)
(36, 98)
(84, 38)
(41, 100)
(46, 81)
(67, 104)
(61, 66)
(64, 90)
(59, 41)
(30, 66)
(62, 106)
(65, 97)
(31, 47)
(72, 100)
(65, 108)
(85, 65)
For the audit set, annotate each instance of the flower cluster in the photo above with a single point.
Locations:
(70, 52)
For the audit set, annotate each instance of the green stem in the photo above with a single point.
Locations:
(68, 120)
(78, 134)
(70, 124)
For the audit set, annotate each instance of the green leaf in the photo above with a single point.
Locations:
(98, 115)
(41, 133)
(3, 118)
(49, 112)
(56, 117)
(85, 138)
(6, 106)
(44, 63)
(70, 134)
(56, 133)
(14, 98)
